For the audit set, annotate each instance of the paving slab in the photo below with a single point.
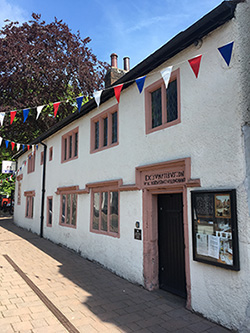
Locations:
(47, 288)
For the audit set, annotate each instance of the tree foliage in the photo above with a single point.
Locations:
(39, 64)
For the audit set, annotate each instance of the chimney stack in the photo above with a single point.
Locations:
(126, 64)
(114, 73)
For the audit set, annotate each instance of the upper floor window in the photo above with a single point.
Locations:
(31, 162)
(163, 105)
(42, 158)
(70, 145)
(50, 153)
(104, 130)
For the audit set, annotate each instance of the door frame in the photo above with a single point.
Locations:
(150, 190)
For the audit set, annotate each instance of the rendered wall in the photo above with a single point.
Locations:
(210, 132)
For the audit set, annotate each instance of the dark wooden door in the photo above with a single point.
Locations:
(172, 275)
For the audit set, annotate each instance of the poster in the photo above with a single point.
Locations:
(8, 167)
(215, 236)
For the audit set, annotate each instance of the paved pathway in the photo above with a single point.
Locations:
(45, 288)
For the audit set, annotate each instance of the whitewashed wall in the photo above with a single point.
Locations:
(210, 132)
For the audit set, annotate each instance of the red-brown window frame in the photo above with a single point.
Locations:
(100, 118)
(70, 190)
(148, 105)
(31, 162)
(29, 200)
(49, 198)
(50, 153)
(67, 136)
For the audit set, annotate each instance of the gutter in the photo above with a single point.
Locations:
(43, 188)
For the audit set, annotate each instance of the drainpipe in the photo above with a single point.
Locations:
(43, 188)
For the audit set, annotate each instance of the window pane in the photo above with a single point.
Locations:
(105, 131)
(27, 206)
(172, 108)
(104, 216)
(76, 144)
(97, 135)
(114, 127)
(73, 222)
(70, 146)
(65, 149)
(113, 220)
(63, 208)
(32, 206)
(96, 207)
(50, 211)
(68, 208)
(156, 108)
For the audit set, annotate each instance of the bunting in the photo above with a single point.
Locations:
(1, 140)
(25, 114)
(56, 106)
(226, 52)
(18, 146)
(12, 145)
(195, 64)
(2, 115)
(140, 83)
(39, 109)
(12, 116)
(79, 102)
(166, 73)
(6, 143)
(97, 97)
(117, 90)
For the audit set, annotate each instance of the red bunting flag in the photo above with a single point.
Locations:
(117, 91)
(12, 145)
(28, 146)
(56, 106)
(12, 116)
(195, 64)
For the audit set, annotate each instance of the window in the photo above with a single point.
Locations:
(104, 130)
(19, 178)
(69, 146)
(42, 157)
(29, 209)
(49, 211)
(50, 153)
(163, 105)
(68, 209)
(31, 162)
(105, 211)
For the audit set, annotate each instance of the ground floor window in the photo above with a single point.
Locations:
(49, 211)
(29, 208)
(68, 205)
(105, 211)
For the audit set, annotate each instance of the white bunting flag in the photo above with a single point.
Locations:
(39, 109)
(1, 139)
(18, 146)
(97, 96)
(165, 73)
(2, 115)
(33, 149)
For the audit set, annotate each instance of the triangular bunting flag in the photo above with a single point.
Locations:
(117, 90)
(38, 110)
(195, 64)
(56, 106)
(1, 140)
(140, 83)
(12, 116)
(18, 146)
(28, 146)
(97, 97)
(166, 73)
(36, 147)
(12, 145)
(2, 115)
(23, 146)
(6, 143)
(25, 114)
(33, 149)
(226, 52)
(79, 102)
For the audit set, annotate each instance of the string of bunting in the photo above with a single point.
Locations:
(225, 51)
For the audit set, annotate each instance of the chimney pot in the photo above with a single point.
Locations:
(126, 63)
(114, 57)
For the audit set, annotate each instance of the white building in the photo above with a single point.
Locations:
(157, 187)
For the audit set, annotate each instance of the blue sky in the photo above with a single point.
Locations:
(133, 28)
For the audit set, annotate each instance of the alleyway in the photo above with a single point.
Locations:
(46, 288)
